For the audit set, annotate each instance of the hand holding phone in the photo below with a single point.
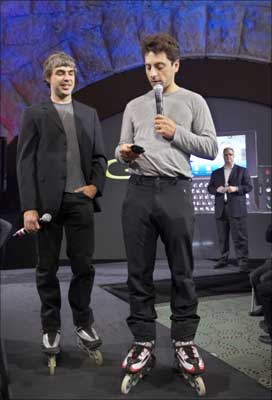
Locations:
(137, 149)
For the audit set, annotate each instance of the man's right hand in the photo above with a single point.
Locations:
(126, 153)
(221, 189)
(31, 221)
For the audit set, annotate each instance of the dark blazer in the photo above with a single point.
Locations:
(236, 201)
(41, 155)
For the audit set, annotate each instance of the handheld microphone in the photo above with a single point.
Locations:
(45, 218)
(158, 98)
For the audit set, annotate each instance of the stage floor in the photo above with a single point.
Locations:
(77, 377)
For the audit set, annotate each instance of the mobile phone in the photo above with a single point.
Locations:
(137, 149)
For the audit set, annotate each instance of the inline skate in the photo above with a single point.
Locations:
(138, 362)
(89, 341)
(190, 365)
(51, 348)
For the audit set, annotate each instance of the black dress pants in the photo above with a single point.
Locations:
(265, 293)
(76, 216)
(227, 224)
(261, 274)
(160, 207)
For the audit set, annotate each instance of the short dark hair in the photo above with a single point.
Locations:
(55, 60)
(228, 148)
(161, 42)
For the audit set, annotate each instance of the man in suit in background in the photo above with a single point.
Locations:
(230, 184)
(61, 170)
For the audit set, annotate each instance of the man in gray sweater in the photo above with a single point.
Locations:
(159, 202)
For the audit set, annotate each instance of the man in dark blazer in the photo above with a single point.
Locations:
(230, 184)
(61, 171)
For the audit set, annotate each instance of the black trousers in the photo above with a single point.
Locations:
(162, 207)
(76, 216)
(261, 274)
(265, 293)
(238, 229)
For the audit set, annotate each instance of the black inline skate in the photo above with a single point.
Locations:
(138, 362)
(190, 365)
(51, 347)
(89, 341)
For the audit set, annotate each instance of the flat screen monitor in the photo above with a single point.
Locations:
(245, 152)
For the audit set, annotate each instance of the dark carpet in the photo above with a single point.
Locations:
(220, 282)
(77, 377)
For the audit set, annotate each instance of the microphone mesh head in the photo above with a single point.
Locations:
(46, 217)
(158, 88)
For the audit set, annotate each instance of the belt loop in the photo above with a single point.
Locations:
(134, 179)
(175, 180)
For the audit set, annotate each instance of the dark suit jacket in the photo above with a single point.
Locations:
(236, 201)
(41, 155)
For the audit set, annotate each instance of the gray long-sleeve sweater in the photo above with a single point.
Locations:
(195, 133)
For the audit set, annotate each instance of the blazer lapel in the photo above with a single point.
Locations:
(81, 136)
(77, 118)
(233, 171)
(222, 176)
(53, 114)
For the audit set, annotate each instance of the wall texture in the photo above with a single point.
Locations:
(104, 37)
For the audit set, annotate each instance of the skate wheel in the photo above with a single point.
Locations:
(200, 386)
(98, 357)
(52, 365)
(126, 384)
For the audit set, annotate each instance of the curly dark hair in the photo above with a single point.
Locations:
(161, 42)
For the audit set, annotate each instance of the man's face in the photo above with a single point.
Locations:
(228, 156)
(62, 82)
(160, 70)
